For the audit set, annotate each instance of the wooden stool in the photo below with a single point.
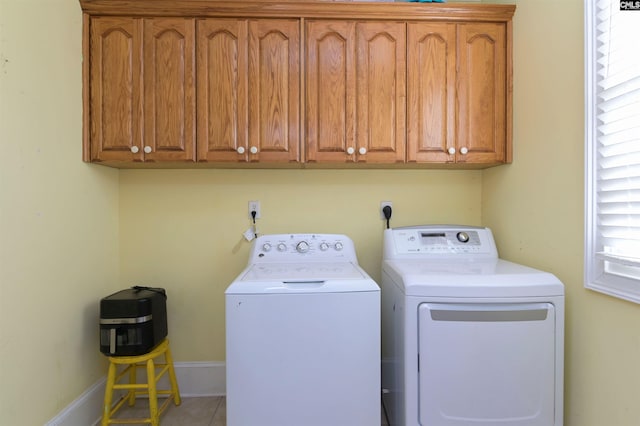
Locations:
(133, 388)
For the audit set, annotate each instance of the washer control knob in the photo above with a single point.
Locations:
(266, 247)
(463, 237)
(338, 245)
(302, 247)
(282, 247)
(324, 246)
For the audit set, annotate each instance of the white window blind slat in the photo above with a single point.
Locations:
(625, 128)
(615, 91)
(622, 153)
(626, 261)
(626, 184)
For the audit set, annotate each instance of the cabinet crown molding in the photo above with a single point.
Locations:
(451, 12)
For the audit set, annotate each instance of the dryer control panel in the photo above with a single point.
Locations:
(441, 241)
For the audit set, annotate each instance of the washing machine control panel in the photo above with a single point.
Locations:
(303, 247)
(439, 241)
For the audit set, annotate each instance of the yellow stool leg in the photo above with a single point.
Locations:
(153, 394)
(108, 394)
(132, 380)
(172, 377)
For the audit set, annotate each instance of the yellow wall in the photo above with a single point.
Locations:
(58, 217)
(182, 230)
(70, 233)
(535, 208)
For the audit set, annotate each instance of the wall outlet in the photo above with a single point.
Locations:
(254, 206)
(382, 205)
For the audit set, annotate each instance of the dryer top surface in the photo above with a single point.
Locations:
(470, 278)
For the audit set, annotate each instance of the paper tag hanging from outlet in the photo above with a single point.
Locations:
(249, 234)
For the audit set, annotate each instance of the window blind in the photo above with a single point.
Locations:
(614, 243)
(618, 115)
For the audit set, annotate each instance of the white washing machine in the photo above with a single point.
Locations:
(303, 335)
(468, 339)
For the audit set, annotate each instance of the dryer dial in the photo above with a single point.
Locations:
(463, 237)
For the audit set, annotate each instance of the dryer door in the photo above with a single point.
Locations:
(486, 364)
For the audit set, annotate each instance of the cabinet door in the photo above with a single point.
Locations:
(274, 90)
(222, 90)
(381, 86)
(431, 92)
(169, 79)
(482, 82)
(330, 91)
(115, 86)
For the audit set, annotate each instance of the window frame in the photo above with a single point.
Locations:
(596, 278)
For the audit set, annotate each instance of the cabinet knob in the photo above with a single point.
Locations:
(253, 150)
(135, 149)
(147, 149)
(350, 150)
(362, 151)
(452, 151)
(464, 150)
(240, 150)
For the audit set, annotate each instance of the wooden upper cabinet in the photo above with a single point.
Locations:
(355, 102)
(431, 92)
(295, 83)
(482, 86)
(115, 89)
(380, 90)
(457, 99)
(142, 103)
(274, 90)
(222, 90)
(331, 91)
(169, 89)
(248, 90)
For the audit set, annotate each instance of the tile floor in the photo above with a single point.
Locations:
(201, 411)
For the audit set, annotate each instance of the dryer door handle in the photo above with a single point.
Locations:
(490, 312)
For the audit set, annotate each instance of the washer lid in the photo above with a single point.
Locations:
(311, 277)
(470, 278)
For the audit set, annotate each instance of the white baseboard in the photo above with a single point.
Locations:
(201, 378)
(194, 379)
(84, 410)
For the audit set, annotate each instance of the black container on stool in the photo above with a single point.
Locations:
(133, 321)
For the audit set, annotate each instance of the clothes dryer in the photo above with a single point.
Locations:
(303, 335)
(468, 338)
